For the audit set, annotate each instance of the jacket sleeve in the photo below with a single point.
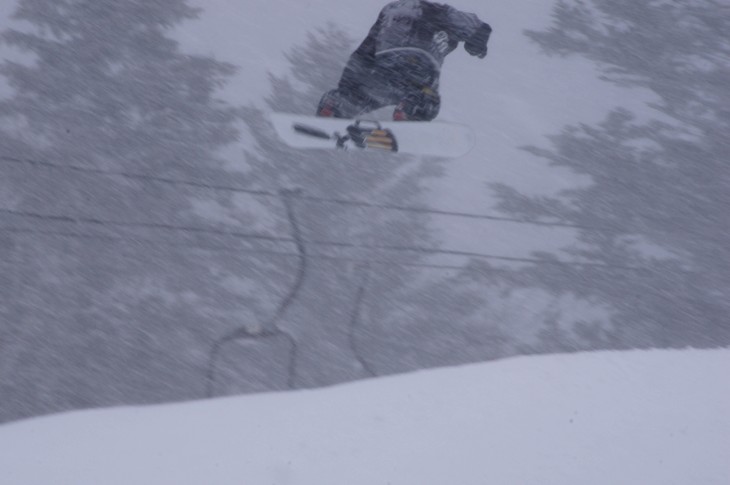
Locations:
(464, 26)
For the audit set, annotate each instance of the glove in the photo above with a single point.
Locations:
(476, 45)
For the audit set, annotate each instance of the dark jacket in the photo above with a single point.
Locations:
(430, 27)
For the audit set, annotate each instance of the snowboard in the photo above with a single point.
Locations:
(427, 138)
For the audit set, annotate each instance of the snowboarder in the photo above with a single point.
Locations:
(400, 60)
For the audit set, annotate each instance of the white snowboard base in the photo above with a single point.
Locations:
(434, 138)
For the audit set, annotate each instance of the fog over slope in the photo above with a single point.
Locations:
(159, 243)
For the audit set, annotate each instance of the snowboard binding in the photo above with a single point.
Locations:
(363, 134)
(371, 137)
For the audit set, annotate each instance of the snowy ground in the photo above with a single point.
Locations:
(644, 418)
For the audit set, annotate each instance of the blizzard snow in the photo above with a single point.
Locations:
(644, 418)
(513, 98)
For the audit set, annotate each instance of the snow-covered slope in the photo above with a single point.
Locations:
(644, 418)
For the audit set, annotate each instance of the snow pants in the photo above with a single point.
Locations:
(407, 78)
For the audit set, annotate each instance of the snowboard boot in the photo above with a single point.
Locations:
(329, 105)
(423, 105)
(341, 103)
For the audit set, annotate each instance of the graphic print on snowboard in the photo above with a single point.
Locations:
(399, 62)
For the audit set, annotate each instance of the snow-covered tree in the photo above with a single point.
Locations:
(659, 201)
(108, 298)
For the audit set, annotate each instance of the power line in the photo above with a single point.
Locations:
(157, 242)
(146, 225)
(314, 242)
(470, 254)
(138, 176)
(321, 257)
(293, 195)
(269, 193)
(138, 240)
(440, 212)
